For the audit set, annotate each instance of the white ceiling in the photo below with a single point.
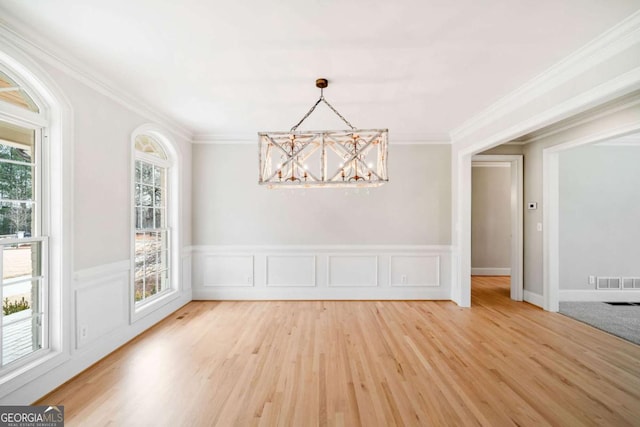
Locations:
(420, 68)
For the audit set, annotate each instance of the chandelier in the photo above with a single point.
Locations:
(345, 158)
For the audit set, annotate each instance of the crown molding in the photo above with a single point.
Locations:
(400, 138)
(618, 86)
(252, 138)
(613, 41)
(632, 140)
(226, 138)
(599, 112)
(34, 45)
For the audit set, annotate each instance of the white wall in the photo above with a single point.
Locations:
(399, 229)
(599, 214)
(491, 220)
(230, 208)
(98, 298)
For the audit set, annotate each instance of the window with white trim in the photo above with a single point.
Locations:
(151, 235)
(23, 243)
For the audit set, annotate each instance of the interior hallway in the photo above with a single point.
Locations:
(362, 363)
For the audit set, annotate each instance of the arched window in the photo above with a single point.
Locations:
(152, 232)
(24, 282)
(12, 93)
(36, 205)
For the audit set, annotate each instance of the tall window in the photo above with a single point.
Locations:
(23, 245)
(152, 266)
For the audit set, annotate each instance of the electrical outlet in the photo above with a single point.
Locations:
(403, 279)
(592, 280)
(83, 332)
(249, 280)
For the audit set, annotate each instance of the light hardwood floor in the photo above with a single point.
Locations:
(362, 363)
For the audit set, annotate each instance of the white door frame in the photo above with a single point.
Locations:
(551, 209)
(517, 214)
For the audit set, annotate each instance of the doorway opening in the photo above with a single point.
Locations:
(497, 219)
(587, 288)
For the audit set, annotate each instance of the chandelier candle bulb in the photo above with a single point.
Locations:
(306, 158)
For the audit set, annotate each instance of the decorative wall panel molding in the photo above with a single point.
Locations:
(352, 270)
(186, 272)
(102, 271)
(99, 324)
(329, 272)
(414, 270)
(228, 270)
(291, 270)
(101, 306)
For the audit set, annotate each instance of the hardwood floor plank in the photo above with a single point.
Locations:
(332, 363)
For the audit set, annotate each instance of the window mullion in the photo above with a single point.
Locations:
(151, 177)
(15, 162)
(144, 268)
(37, 229)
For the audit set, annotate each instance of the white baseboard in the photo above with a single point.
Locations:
(316, 294)
(626, 295)
(495, 271)
(535, 299)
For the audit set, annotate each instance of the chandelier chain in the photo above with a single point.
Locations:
(337, 114)
(322, 99)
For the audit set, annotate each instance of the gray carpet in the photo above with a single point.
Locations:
(619, 320)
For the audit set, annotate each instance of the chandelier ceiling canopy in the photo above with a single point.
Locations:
(326, 158)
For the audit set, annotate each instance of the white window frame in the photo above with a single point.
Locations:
(56, 202)
(140, 310)
(38, 236)
(165, 165)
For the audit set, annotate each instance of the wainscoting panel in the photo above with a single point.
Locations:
(291, 270)
(353, 270)
(316, 272)
(101, 304)
(96, 323)
(228, 270)
(186, 271)
(414, 270)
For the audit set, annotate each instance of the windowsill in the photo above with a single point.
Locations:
(156, 302)
(34, 365)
